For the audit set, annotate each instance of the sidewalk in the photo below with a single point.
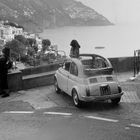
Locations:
(130, 87)
(124, 76)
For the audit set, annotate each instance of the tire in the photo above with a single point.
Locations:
(57, 89)
(116, 100)
(75, 98)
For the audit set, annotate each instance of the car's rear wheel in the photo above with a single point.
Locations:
(57, 89)
(116, 100)
(75, 98)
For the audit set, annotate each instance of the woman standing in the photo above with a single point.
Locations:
(74, 52)
(5, 64)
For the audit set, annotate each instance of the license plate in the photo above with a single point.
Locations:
(105, 90)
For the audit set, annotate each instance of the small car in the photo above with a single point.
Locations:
(88, 78)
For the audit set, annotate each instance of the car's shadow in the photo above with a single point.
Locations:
(100, 106)
(95, 106)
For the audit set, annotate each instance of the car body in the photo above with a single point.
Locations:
(88, 78)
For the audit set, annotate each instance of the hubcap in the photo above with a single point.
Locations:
(75, 98)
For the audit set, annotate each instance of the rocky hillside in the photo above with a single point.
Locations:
(35, 15)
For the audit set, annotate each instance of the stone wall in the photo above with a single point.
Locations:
(40, 69)
(43, 75)
(122, 64)
(15, 80)
(32, 77)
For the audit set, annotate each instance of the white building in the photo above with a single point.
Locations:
(17, 31)
(39, 43)
(7, 33)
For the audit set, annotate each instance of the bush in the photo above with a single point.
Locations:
(17, 48)
(21, 39)
(32, 43)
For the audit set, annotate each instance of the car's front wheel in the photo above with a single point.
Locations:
(57, 89)
(116, 100)
(75, 98)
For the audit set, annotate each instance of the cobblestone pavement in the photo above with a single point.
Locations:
(130, 97)
(130, 87)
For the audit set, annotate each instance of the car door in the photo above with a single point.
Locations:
(73, 77)
(63, 78)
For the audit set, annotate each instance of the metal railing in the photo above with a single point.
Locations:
(136, 62)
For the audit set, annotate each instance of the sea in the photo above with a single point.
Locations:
(108, 41)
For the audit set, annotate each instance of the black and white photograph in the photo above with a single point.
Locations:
(69, 69)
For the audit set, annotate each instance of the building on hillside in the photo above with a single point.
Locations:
(17, 31)
(39, 43)
(7, 33)
(2, 36)
(36, 37)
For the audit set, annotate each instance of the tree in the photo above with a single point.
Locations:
(32, 44)
(31, 52)
(13, 24)
(21, 39)
(17, 48)
(45, 45)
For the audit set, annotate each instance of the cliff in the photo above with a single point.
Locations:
(36, 15)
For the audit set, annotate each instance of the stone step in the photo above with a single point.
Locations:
(37, 80)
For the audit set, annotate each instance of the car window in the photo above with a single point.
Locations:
(96, 62)
(66, 66)
(100, 63)
(74, 69)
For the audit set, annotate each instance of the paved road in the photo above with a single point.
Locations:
(42, 114)
(45, 98)
(32, 125)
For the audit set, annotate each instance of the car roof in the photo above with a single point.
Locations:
(92, 55)
(79, 64)
(96, 55)
(84, 54)
(78, 60)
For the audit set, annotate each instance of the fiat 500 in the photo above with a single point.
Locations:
(88, 78)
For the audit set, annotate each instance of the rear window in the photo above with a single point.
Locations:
(94, 62)
(95, 65)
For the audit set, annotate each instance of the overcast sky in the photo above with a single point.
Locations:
(118, 11)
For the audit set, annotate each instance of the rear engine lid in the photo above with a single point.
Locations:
(96, 72)
(100, 86)
(101, 79)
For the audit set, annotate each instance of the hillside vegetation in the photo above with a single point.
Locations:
(36, 15)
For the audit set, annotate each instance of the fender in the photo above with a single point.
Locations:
(76, 88)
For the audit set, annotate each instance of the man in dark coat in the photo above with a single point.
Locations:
(4, 66)
(74, 52)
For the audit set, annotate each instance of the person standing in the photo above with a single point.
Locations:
(74, 52)
(5, 64)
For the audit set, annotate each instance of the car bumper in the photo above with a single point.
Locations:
(101, 98)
